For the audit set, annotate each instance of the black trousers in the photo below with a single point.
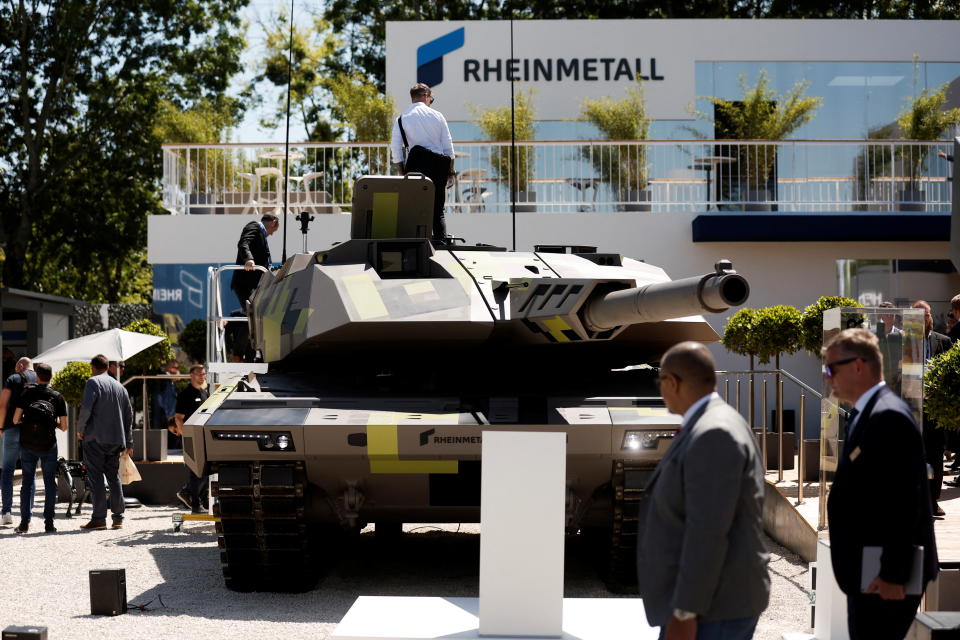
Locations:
(871, 618)
(934, 445)
(439, 199)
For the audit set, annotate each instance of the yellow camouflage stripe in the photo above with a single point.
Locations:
(383, 449)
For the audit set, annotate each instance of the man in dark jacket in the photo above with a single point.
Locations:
(106, 428)
(253, 251)
(12, 388)
(934, 439)
(880, 497)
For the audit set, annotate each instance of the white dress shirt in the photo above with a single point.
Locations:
(424, 126)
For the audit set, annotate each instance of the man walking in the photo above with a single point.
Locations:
(424, 127)
(934, 439)
(40, 411)
(188, 401)
(701, 561)
(106, 428)
(252, 251)
(12, 388)
(880, 495)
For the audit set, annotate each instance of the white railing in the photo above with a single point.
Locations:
(579, 175)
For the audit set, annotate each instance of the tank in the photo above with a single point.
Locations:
(388, 357)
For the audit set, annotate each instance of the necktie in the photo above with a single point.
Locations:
(851, 417)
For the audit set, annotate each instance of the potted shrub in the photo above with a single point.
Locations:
(924, 118)
(623, 167)
(495, 124)
(811, 331)
(761, 114)
(941, 389)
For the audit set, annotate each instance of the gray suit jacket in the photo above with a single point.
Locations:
(700, 542)
(106, 415)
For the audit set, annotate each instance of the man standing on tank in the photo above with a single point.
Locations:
(253, 250)
(423, 126)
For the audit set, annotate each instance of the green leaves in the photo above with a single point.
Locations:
(71, 380)
(193, 340)
(811, 338)
(941, 389)
(152, 358)
(623, 167)
(763, 333)
(496, 125)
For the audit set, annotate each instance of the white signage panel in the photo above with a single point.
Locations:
(470, 63)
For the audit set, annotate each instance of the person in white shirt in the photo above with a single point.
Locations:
(425, 127)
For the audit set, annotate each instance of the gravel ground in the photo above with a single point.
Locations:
(47, 581)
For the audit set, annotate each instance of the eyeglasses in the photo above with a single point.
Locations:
(432, 99)
(828, 369)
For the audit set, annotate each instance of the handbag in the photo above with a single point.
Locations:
(421, 159)
(128, 471)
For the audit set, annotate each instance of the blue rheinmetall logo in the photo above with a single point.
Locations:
(430, 57)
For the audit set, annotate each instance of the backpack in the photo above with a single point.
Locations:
(38, 425)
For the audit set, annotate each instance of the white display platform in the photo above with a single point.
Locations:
(403, 618)
(522, 501)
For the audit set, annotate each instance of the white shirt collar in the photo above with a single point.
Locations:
(696, 407)
(862, 401)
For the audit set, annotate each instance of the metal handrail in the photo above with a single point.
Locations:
(780, 374)
(216, 321)
(146, 414)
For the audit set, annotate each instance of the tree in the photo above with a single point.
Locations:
(623, 167)
(924, 118)
(193, 340)
(83, 86)
(941, 389)
(811, 332)
(496, 125)
(154, 357)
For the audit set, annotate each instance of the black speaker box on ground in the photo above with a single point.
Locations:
(108, 592)
(24, 633)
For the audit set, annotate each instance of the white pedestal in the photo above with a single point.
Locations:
(522, 495)
(400, 618)
(831, 615)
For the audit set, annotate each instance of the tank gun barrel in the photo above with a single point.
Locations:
(712, 293)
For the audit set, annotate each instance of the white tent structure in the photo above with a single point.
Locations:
(115, 344)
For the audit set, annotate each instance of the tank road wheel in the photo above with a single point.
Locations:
(262, 533)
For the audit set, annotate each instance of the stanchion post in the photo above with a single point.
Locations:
(801, 470)
(779, 401)
(763, 421)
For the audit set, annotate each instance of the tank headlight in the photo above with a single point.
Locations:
(637, 440)
(266, 440)
(283, 441)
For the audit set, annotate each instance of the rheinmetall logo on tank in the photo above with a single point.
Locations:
(430, 56)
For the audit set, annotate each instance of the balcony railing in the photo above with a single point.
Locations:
(580, 175)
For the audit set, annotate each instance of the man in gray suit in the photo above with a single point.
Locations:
(106, 428)
(701, 560)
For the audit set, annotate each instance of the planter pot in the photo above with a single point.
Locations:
(755, 196)
(912, 199)
(201, 198)
(526, 196)
(635, 200)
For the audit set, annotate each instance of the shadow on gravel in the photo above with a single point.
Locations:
(422, 564)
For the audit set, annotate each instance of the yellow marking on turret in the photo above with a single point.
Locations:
(385, 210)
(302, 320)
(365, 297)
(556, 326)
(383, 449)
(424, 286)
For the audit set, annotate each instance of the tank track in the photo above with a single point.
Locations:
(620, 572)
(262, 534)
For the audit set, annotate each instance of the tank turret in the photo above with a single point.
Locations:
(389, 357)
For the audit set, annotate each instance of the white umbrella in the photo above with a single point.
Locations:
(116, 344)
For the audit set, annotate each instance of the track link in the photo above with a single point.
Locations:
(620, 572)
(262, 533)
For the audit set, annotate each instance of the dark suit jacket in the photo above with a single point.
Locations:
(700, 543)
(939, 343)
(880, 497)
(252, 246)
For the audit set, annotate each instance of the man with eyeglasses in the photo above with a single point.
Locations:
(421, 142)
(880, 495)
(701, 559)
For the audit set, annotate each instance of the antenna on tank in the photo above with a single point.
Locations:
(286, 150)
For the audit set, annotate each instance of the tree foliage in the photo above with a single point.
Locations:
(760, 114)
(924, 118)
(941, 389)
(152, 358)
(71, 380)
(83, 85)
(764, 333)
(811, 333)
(496, 124)
(193, 340)
(624, 167)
